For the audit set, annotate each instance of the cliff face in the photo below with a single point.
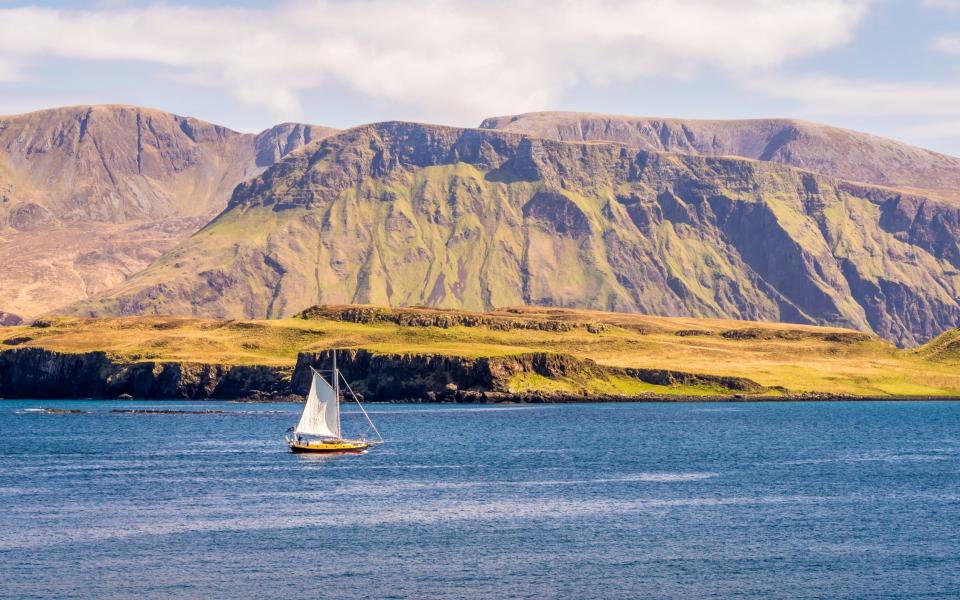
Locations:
(386, 377)
(90, 195)
(833, 151)
(39, 373)
(402, 214)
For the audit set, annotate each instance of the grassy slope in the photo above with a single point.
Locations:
(798, 358)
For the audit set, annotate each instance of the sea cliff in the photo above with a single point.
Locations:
(38, 373)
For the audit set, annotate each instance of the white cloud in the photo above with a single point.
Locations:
(8, 71)
(457, 59)
(947, 5)
(948, 44)
(819, 95)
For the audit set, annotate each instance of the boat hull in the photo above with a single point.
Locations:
(328, 447)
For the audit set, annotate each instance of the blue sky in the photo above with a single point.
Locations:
(888, 67)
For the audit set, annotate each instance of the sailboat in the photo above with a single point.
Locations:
(319, 428)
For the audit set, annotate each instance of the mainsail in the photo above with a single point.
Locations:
(321, 414)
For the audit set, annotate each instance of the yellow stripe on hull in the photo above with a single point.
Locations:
(328, 446)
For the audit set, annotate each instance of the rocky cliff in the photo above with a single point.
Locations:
(403, 214)
(90, 195)
(39, 373)
(386, 377)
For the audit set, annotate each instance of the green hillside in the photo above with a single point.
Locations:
(400, 214)
(783, 358)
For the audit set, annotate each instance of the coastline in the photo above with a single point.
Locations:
(38, 374)
(525, 355)
(481, 398)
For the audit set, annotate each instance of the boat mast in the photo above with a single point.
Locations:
(336, 390)
(336, 377)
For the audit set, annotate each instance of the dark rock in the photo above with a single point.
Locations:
(420, 317)
(30, 216)
(667, 377)
(690, 332)
(39, 373)
(557, 213)
(9, 319)
(385, 378)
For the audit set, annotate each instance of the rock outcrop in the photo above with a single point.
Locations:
(9, 319)
(421, 317)
(403, 214)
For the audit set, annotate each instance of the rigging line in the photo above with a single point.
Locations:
(359, 404)
(320, 372)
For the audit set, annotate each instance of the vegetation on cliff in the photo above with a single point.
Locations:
(594, 352)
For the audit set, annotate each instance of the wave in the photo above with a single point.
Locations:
(462, 409)
(371, 512)
(20, 491)
(50, 411)
(405, 484)
(888, 458)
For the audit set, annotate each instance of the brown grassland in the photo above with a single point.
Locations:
(784, 357)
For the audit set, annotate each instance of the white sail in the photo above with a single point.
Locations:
(321, 415)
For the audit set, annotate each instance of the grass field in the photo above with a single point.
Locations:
(795, 358)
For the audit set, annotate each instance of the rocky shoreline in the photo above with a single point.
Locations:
(520, 399)
(39, 373)
(473, 397)
(36, 373)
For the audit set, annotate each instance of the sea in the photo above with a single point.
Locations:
(685, 500)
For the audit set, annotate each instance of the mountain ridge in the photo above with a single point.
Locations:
(92, 194)
(843, 153)
(400, 214)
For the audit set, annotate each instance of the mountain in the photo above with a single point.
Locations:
(92, 194)
(826, 150)
(403, 214)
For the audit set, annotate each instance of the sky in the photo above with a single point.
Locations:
(888, 67)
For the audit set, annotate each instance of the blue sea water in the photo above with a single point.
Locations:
(771, 500)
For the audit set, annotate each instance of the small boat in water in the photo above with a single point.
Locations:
(319, 429)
